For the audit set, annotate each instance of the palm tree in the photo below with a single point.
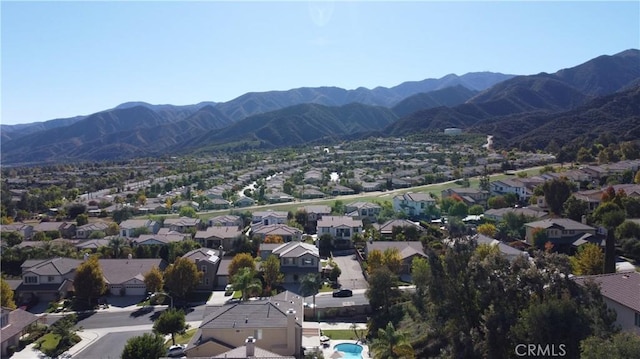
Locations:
(391, 344)
(116, 244)
(310, 285)
(246, 282)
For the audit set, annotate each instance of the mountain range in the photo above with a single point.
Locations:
(515, 109)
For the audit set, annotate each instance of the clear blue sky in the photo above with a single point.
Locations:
(61, 59)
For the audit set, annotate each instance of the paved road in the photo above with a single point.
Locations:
(109, 346)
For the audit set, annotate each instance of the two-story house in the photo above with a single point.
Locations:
(218, 237)
(562, 232)
(47, 279)
(182, 224)
(621, 292)
(470, 196)
(207, 261)
(128, 227)
(509, 185)
(297, 259)
(314, 213)
(341, 229)
(413, 204)
(287, 233)
(269, 217)
(274, 325)
(362, 210)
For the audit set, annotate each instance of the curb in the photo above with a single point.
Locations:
(87, 338)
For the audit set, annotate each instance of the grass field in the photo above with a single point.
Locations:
(182, 338)
(340, 334)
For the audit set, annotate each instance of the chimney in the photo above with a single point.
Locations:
(250, 344)
(583, 219)
(291, 332)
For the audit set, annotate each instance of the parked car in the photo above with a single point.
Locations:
(342, 293)
(176, 351)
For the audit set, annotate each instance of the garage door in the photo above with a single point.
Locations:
(136, 290)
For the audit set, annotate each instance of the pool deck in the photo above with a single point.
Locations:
(329, 351)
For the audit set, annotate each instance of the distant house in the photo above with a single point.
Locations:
(470, 196)
(218, 237)
(269, 217)
(621, 292)
(287, 233)
(498, 214)
(297, 259)
(273, 325)
(339, 190)
(508, 185)
(182, 224)
(217, 203)
(160, 239)
(509, 252)
(244, 202)
(207, 261)
(13, 323)
(126, 276)
(128, 227)
(307, 193)
(66, 229)
(562, 232)
(227, 220)
(316, 212)
(408, 250)
(278, 197)
(413, 204)
(26, 230)
(341, 228)
(387, 229)
(85, 231)
(92, 244)
(362, 210)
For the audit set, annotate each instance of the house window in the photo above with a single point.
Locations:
(31, 280)
(203, 268)
(637, 319)
(50, 278)
(206, 280)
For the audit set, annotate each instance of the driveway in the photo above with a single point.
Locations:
(351, 276)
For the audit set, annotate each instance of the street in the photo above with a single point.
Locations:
(109, 346)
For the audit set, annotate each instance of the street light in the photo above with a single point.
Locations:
(151, 295)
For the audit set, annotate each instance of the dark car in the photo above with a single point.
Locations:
(342, 293)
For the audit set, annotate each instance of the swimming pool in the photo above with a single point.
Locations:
(349, 350)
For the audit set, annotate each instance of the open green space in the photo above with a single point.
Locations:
(340, 334)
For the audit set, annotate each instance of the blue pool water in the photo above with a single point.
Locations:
(349, 350)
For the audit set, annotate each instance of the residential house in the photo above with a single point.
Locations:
(176, 206)
(509, 252)
(341, 229)
(26, 230)
(217, 203)
(315, 212)
(65, 229)
(275, 324)
(621, 292)
(371, 186)
(227, 220)
(222, 276)
(562, 232)
(278, 197)
(340, 190)
(128, 227)
(287, 233)
(297, 259)
(126, 276)
(408, 250)
(92, 244)
(309, 193)
(46, 279)
(362, 210)
(207, 261)
(497, 214)
(413, 204)
(388, 229)
(510, 185)
(160, 239)
(85, 231)
(269, 217)
(218, 237)
(13, 323)
(244, 202)
(470, 196)
(182, 224)
(313, 177)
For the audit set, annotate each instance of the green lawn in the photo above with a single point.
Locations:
(340, 334)
(237, 294)
(326, 288)
(182, 338)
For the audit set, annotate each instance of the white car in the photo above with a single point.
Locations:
(176, 350)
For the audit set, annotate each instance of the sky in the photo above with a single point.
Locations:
(63, 59)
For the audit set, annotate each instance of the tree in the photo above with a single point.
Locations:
(574, 208)
(391, 344)
(589, 260)
(153, 280)
(12, 238)
(241, 260)
(271, 273)
(6, 295)
(325, 243)
(556, 192)
(40, 236)
(146, 346)
(374, 260)
(76, 209)
(171, 321)
(116, 245)
(488, 229)
(310, 285)
(113, 229)
(182, 276)
(420, 272)
(89, 281)
(382, 291)
(82, 219)
(273, 239)
(246, 282)
(392, 259)
(476, 210)
(622, 345)
(187, 211)
(540, 237)
(628, 229)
